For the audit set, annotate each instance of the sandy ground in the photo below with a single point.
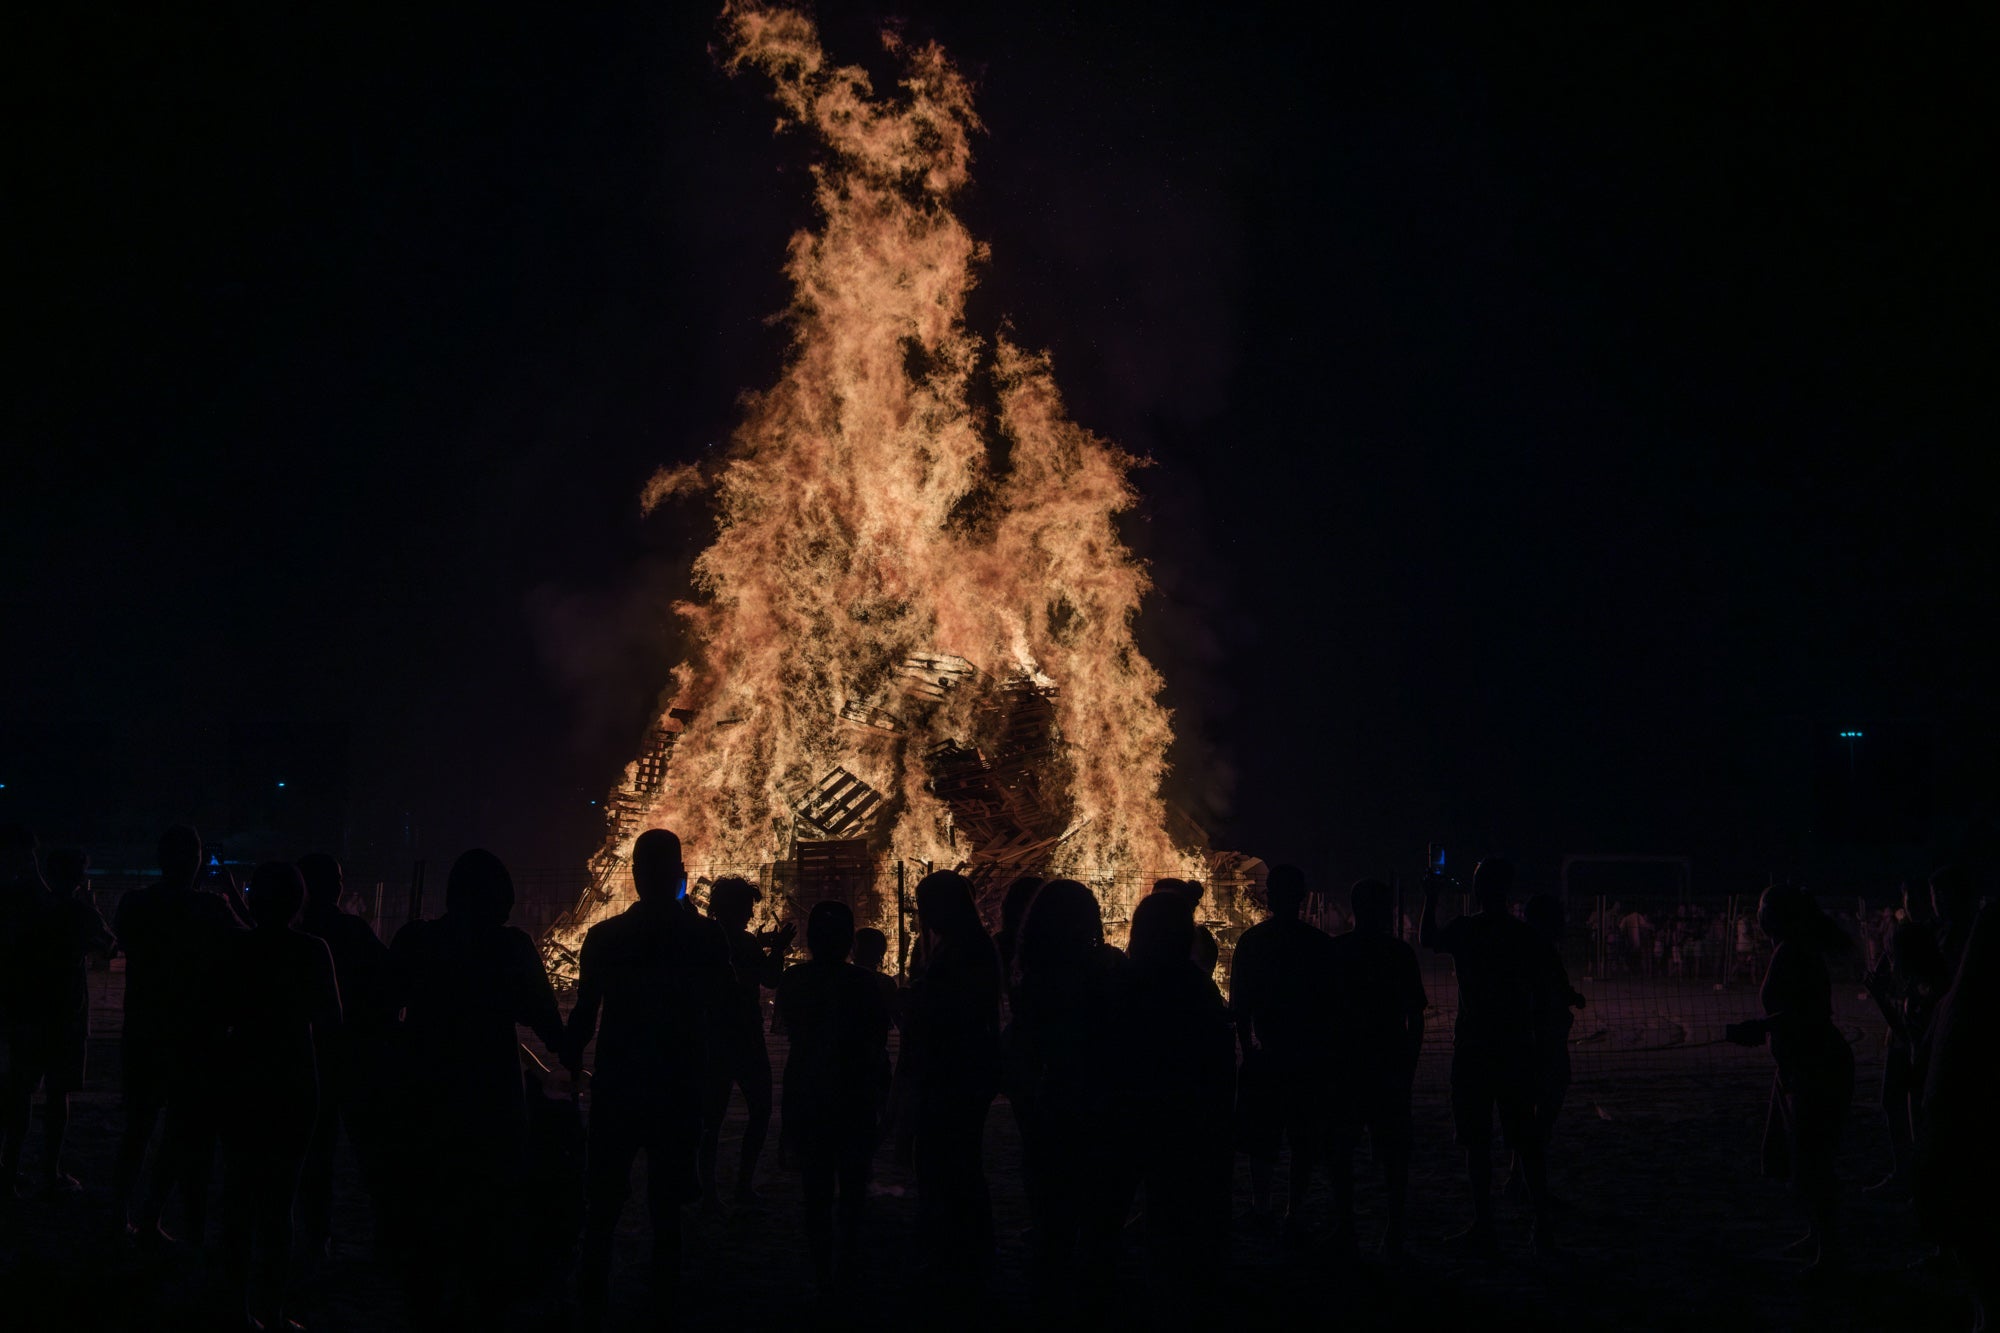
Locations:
(1671, 1227)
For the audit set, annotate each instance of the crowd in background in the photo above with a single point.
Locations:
(268, 1024)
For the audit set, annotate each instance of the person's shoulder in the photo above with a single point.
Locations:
(348, 926)
(72, 913)
(212, 910)
(414, 935)
(304, 944)
(604, 932)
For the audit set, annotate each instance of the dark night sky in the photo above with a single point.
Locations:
(1559, 423)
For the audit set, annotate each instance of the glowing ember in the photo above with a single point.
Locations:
(912, 636)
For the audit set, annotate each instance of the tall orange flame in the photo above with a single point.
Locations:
(871, 516)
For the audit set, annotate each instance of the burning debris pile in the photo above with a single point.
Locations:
(911, 640)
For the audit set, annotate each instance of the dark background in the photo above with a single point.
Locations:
(1563, 426)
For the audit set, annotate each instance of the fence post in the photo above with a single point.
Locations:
(377, 923)
(902, 927)
(416, 890)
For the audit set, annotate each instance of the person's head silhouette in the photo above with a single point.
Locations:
(732, 901)
(180, 857)
(1492, 882)
(657, 872)
(1285, 890)
(829, 931)
(1789, 915)
(945, 908)
(1162, 931)
(1918, 957)
(1014, 907)
(277, 893)
(479, 889)
(67, 869)
(871, 946)
(1063, 928)
(1373, 905)
(321, 872)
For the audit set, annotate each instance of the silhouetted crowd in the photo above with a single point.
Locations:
(264, 1025)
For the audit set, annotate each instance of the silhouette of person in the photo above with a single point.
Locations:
(1955, 1175)
(838, 1027)
(1060, 1049)
(1280, 995)
(1378, 1008)
(281, 1007)
(1509, 989)
(657, 975)
(53, 1041)
(173, 935)
(871, 952)
(1206, 951)
(466, 982)
(1907, 988)
(739, 1055)
(1953, 906)
(1544, 912)
(350, 1071)
(1176, 1061)
(1013, 911)
(951, 1055)
(1815, 1078)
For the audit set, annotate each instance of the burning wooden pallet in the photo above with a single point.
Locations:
(839, 806)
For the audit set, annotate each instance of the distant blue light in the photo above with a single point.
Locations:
(281, 784)
(1850, 735)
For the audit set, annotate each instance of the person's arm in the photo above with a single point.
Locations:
(97, 937)
(772, 968)
(398, 980)
(1429, 933)
(121, 922)
(1779, 986)
(589, 997)
(232, 897)
(1240, 980)
(1878, 991)
(538, 1011)
(369, 1002)
(1415, 1001)
(879, 1019)
(323, 1001)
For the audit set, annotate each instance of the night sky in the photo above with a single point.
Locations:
(1561, 427)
